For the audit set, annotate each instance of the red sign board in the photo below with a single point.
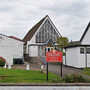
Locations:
(54, 56)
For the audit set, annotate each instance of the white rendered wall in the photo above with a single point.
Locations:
(88, 59)
(81, 58)
(75, 59)
(33, 51)
(10, 48)
(72, 57)
(86, 39)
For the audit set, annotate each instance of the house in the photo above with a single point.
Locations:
(11, 49)
(38, 36)
(78, 53)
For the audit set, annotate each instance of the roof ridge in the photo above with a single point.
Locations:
(85, 31)
(34, 29)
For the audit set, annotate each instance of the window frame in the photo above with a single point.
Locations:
(82, 51)
(88, 52)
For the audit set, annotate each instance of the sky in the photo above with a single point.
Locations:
(71, 17)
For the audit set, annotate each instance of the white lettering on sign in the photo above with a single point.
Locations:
(53, 54)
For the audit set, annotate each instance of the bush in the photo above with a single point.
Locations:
(74, 78)
(2, 61)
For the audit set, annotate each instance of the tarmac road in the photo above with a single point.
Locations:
(65, 70)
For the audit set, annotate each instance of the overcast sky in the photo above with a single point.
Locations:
(70, 16)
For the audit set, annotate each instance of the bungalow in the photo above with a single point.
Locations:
(37, 37)
(78, 53)
(11, 49)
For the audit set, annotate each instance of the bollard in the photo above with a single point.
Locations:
(5, 66)
(9, 66)
(42, 67)
(27, 67)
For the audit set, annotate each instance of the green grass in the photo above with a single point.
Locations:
(23, 76)
(86, 71)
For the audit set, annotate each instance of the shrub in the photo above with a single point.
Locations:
(74, 78)
(2, 61)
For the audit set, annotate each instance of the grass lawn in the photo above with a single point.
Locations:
(23, 76)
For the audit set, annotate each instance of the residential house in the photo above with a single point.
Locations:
(78, 53)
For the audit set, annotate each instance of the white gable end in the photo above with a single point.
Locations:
(86, 39)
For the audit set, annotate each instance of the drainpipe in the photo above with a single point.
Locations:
(85, 57)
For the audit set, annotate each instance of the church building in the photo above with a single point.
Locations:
(37, 37)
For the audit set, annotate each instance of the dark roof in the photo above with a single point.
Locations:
(73, 44)
(78, 43)
(32, 31)
(85, 31)
(13, 37)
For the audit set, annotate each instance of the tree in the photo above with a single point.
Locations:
(62, 42)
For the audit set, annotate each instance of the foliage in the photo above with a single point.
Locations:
(74, 78)
(2, 61)
(62, 41)
(86, 71)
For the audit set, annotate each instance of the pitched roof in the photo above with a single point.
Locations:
(32, 31)
(78, 43)
(13, 37)
(85, 31)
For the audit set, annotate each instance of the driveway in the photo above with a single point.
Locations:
(55, 69)
(65, 70)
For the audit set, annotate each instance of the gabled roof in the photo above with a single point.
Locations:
(85, 31)
(32, 31)
(78, 43)
(13, 37)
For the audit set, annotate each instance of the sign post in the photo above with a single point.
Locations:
(47, 71)
(61, 69)
(54, 56)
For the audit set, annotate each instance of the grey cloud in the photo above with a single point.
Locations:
(69, 16)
